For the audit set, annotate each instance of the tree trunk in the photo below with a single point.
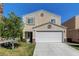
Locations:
(13, 45)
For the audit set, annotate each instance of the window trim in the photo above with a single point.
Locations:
(53, 21)
(33, 23)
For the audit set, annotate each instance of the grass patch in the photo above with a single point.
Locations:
(23, 50)
(75, 46)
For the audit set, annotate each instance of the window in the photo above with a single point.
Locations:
(52, 21)
(49, 26)
(30, 21)
(42, 14)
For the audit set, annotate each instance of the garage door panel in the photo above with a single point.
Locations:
(48, 36)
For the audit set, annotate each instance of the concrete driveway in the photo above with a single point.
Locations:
(54, 49)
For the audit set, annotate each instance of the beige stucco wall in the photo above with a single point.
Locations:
(77, 22)
(73, 26)
(38, 20)
(74, 35)
(1, 12)
(53, 28)
(70, 23)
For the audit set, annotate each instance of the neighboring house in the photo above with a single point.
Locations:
(43, 26)
(72, 29)
(1, 12)
(1, 8)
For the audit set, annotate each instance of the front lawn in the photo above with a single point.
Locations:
(23, 49)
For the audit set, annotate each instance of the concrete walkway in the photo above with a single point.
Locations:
(54, 49)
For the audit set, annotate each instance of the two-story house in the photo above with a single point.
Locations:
(43, 26)
(72, 29)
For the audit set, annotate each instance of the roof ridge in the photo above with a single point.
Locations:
(39, 11)
(48, 23)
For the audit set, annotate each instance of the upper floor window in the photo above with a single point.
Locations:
(42, 14)
(30, 21)
(52, 21)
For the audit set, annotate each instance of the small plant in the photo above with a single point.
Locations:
(23, 49)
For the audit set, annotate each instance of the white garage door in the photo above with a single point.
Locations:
(48, 36)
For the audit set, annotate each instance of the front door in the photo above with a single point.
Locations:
(28, 36)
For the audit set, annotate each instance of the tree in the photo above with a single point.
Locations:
(12, 26)
(16, 24)
(1, 29)
(2, 26)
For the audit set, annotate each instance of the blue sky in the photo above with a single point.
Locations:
(65, 10)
